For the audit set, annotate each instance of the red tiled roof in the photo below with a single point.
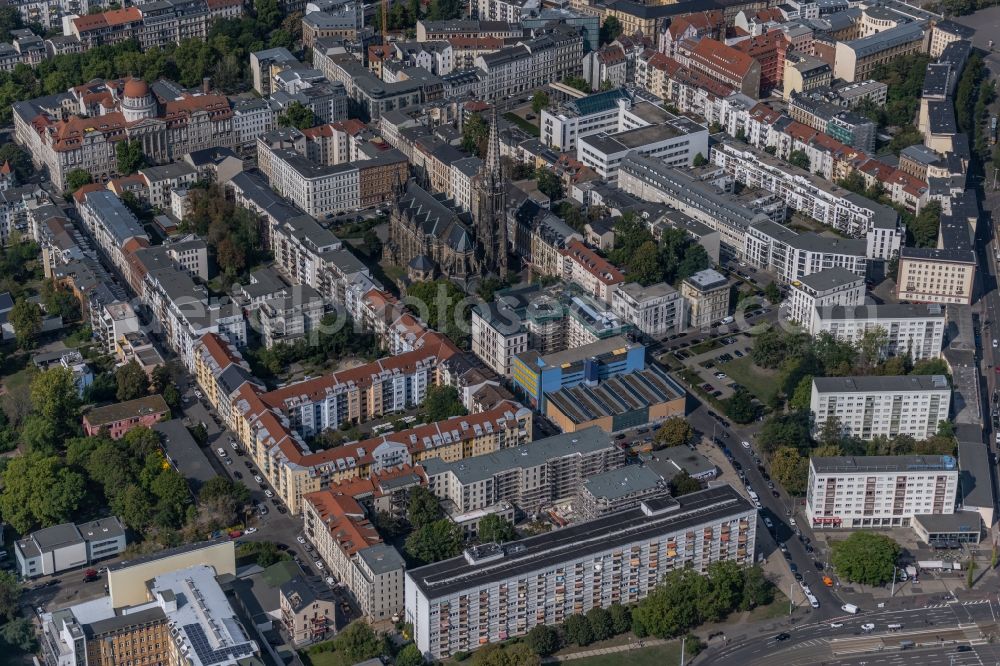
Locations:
(107, 19)
(716, 55)
(593, 263)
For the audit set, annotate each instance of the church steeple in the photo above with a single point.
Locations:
(491, 221)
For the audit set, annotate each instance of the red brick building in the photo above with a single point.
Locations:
(118, 419)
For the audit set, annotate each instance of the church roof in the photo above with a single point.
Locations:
(435, 216)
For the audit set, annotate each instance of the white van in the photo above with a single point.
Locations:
(849, 608)
(728, 320)
(894, 627)
(221, 451)
(813, 601)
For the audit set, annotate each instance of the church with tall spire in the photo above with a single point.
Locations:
(491, 210)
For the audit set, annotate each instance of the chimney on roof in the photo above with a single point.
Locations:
(206, 84)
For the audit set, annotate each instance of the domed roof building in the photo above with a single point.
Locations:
(137, 101)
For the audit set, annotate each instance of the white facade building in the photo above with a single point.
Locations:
(833, 286)
(879, 491)
(867, 407)
(917, 330)
(792, 256)
(492, 592)
(655, 310)
(675, 143)
(321, 191)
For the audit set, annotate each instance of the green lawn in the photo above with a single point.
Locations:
(760, 382)
(527, 126)
(776, 609)
(657, 655)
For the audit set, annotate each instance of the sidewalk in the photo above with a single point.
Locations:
(633, 645)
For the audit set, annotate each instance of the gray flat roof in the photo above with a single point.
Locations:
(477, 468)
(49, 538)
(866, 464)
(830, 278)
(669, 462)
(616, 395)
(605, 346)
(974, 482)
(951, 523)
(887, 383)
(882, 311)
(707, 279)
(578, 541)
(382, 558)
(622, 482)
(184, 452)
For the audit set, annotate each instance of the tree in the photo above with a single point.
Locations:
(740, 407)
(785, 430)
(59, 300)
(409, 656)
(372, 244)
(10, 595)
(475, 132)
(769, 349)
(130, 156)
(931, 366)
(577, 630)
(423, 507)
(871, 347)
(924, 228)
(224, 495)
(671, 608)
(699, 160)
(790, 469)
(77, 178)
(621, 618)
(437, 302)
(40, 491)
(578, 82)
(865, 557)
(610, 30)
(644, 264)
(684, 484)
(675, 431)
(39, 435)
(18, 158)
(549, 184)
(26, 318)
(601, 625)
(802, 397)
(725, 590)
(906, 136)
(772, 293)
(132, 381)
(55, 397)
(442, 402)
(543, 640)
(800, 159)
(19, 635)
(298, 116)
(435, 541)
(757, 589)
(496, 529)
(495, 654)
(539, 101)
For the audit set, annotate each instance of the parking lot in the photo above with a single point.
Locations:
(705, 358)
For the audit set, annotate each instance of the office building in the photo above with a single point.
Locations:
(60, 547)
(535, 374)
(879, 491)
(618, 403)
(916, 331)
(495, 592)
(856, 59)
(869, 406)
(707, 296)
(675, 143)
(829, 287)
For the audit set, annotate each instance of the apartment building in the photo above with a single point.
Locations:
(307, 616)
(656, 310)
(849, 213)
(944, 33)
(651, 180)
(495, 592)
(593, 273)
(337, 525)
(112, 226)
(856, 59)
(946, 273)
(823, 289)
(119, 418)
(618, 490)
(866, 407)
(792, 256)
(530, 477)
(707, 296)
(913, 330)
(292, 317)
(551, 56)
(725, 64)
(321, 191)
(879, 491)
